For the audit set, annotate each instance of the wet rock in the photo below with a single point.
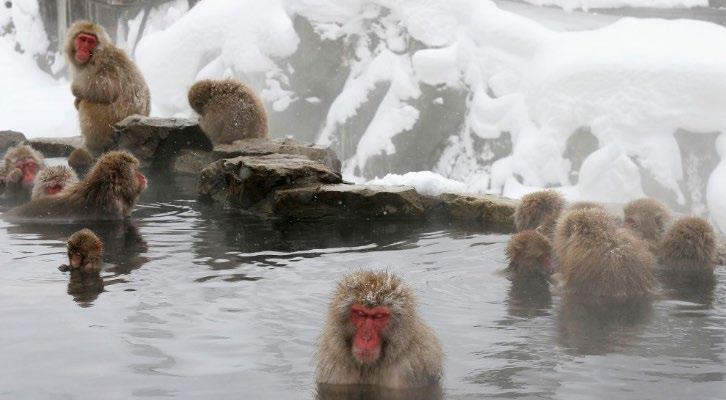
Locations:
(56, 147)
(9, 139)
(193, 161)
(490, 211)
(346, 201)
(250, 182)
(157, 141)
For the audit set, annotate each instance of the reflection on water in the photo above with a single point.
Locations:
(196, 302)
(359, 392)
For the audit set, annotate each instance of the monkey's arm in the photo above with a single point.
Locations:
(98, 84)
(76, 102)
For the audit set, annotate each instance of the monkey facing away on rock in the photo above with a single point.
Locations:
(374, 336)
(107, 85)
(108, 192)
(51, 180)
(228, 110)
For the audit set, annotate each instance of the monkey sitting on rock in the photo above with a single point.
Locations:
(374, 336)
(228, 110)
(107, 85)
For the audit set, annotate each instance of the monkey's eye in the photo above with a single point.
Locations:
(359, 313)
(379, 316)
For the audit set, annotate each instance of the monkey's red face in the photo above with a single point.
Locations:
(84, 44)
(29, 167)
(141, 179)
(75, 259)
(368, 324)
(53, 188)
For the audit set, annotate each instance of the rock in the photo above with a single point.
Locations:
(9, 139)
(157, 141)
(191, 161)
(490, 211)
(250, 182)
(56, 147)
(346, 201)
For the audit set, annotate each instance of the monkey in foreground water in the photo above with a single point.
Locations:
(689, 249)
(648, 219)
(85, 250)
(539, 210)
(21, 164)
(530, 255)
(81, 161)
(51, 180)
(109, 191)
(228, 110)
(374, 336)
(599, 260)
(107, 85)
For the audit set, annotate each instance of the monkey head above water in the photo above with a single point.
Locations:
(107, 85)
(85, 250)
(51, 180)
(21, 164)
(539, 210)
(228, 110)
(599, 260)
(374, 336)
(109, 191)
(81, 161)
(530, 255)
(647, 218)
(689, 249)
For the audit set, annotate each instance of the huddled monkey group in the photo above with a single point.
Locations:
(373, 334)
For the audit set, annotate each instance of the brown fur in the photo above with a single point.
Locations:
(412, 355)
(601, 261)
(11, 177)
(50, 176)
(647, 218)
(108, 88)
(539, 210)
(86, 243)
(81, 161)
(109, 191)
(529, 254)
(229, 110)
(579, 205)
(689, 248)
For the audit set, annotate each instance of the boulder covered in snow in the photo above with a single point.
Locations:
(193, 161)
(157, 141)
(346, 201)
(250, 182)
(9, 139)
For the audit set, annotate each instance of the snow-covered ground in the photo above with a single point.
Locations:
(570, 5)
(447, 96)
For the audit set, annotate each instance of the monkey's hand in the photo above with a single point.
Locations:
(14, 177)
(64, 268)
(77, 102)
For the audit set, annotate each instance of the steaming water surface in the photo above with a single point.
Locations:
(203, 303)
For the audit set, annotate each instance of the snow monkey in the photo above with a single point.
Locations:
(85, 250)
(579, 205)
(81, 161)
(108, 86)
(539, 210)
(647, 218)
(108, 192)
(228, 110)
(529, 254)
(51, 180)
(689, 249)
(21, 164)
(374, 336)
(599, 260)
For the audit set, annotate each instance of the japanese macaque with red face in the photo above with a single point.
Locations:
(107, 85)
(85, 250)
(52, 180)
(17, 177)
(374, 336)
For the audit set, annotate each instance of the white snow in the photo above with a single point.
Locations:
(425, 182)
(631, 83)
(570, 5)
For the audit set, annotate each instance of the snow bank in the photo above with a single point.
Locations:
(570, 5)
(425, 182)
